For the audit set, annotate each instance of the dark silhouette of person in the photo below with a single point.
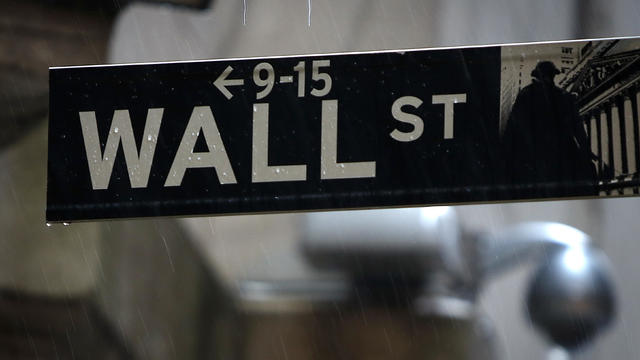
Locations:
(545, 143)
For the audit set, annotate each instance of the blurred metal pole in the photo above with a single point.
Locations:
(591, 17)
(582, 12)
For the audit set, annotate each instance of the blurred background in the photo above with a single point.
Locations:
(185, 288)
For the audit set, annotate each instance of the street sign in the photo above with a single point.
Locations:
(354, 130)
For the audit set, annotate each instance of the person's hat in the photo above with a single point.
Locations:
(545, 68)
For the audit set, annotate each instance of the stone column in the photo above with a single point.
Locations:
(593, 135)
(616, 139)
(629, 141)
(604, 137)
(604, 145)
(629, 134)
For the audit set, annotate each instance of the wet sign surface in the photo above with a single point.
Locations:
(344, 131)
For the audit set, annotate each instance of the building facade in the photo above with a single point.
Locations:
(606, 81)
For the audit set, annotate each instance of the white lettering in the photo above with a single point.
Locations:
(449, 100)
(201, 119)
(329, 166)
(262, 172)
(101, 165)
(416, 121)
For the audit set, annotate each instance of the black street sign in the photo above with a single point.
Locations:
(361, 130)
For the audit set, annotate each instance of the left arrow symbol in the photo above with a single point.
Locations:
(222, 82)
